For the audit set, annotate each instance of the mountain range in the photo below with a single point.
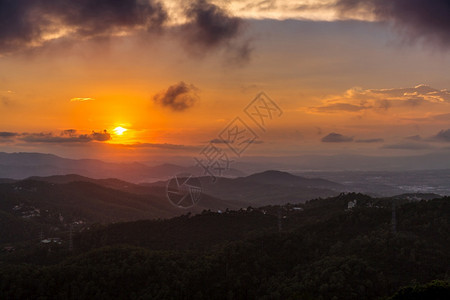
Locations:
(54, 202)
(24, 165)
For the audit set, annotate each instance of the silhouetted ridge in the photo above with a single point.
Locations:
(285, 178)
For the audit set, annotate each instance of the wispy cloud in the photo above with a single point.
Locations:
(220, 141)
(166, 146)
(81, 99)
(64, 137)
(336, 138)
(358, 100)
(414, 138)
(370, 141)
(408, 146)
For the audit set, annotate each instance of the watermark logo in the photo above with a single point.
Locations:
(262, 110)
(184, 190)
(214, 161)
(216, 157)
(238, 136)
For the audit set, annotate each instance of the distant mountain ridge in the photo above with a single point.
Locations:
(285, 178)
(268, 188)
(25, 165)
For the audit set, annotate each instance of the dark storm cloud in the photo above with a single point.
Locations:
(178, 97)
(210, 26)
(27, 22)
(427, 19)
(66, 136)
(336, 138)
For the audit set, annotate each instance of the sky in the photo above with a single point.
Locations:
(133, 80)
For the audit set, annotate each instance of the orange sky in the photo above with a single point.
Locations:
(356, 79)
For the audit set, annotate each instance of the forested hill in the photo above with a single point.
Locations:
(318, 250)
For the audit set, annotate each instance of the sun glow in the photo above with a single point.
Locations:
(119, 130)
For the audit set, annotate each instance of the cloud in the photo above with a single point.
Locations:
(178, 97)
(66, 136)
(370, 141)
(100, 136)
(30, 23)
(414, 138)
(336, 138)
(220, 141)
(69, 132)
(333, 107)
(81, 99)
(442, 136)
(418, 19)
(264, 5)
(159, 146)
(357, 100)
(323, 10)
(408, 146)
(210, 26)
(8, 135)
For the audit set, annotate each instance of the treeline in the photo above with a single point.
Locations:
(324, 251)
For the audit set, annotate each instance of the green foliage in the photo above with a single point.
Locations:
(435, 290)
(323, 252)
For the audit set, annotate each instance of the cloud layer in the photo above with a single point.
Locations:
(32, 23)
(81, 99)
(178, 97)
(66, 136)
(423, 19)
(336, 138)
(27, 23)
(209, 25)
(380, 100)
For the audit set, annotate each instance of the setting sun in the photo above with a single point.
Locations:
(119, 130)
